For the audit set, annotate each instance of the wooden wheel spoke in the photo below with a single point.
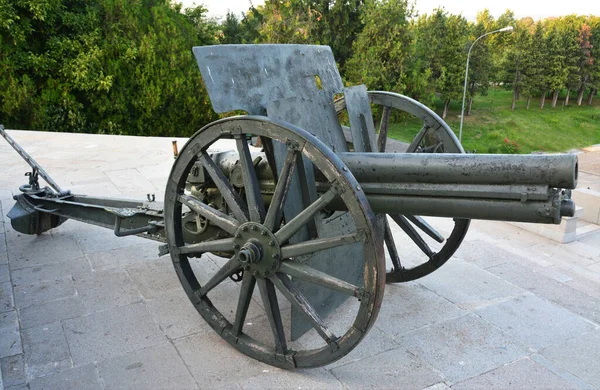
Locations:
(275, 211)
(290, 228)
(425, 227)
(414, 145)
(391, 245)
(243, 302)
(308, 274)
(223, 245)
(217, 217)
(312, 246)
(412, 233)
(230, 267)
(296, 298)
(256, 206)
(232, 198)
(383, 128)
(269, 298)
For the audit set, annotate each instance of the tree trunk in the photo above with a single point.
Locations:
(515, 92)
(446, 104)
(567, 97)
(471, 103)
(555, 97)
(543, 100)
(591, 96)
(580, 94)
(528, 101)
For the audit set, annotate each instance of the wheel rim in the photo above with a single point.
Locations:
(250, 237)
(435, 136)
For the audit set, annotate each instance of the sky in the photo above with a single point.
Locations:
(537, 9)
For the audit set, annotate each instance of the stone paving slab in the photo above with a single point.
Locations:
(534, 321)
(46, 291)
(6, 297)
(46, 350)
(510, 310)
(111, 333)
(521, 374)
(72, 268)
(13, 370)
(550, 289)
(10, 338)
(104, 290)
(396, 368)
(469, 286)
(83, 377)
(157, 367)
(176, 315)
(51, 312)
(579, 355)
(420, 307)
(222, 366)
(464, 347)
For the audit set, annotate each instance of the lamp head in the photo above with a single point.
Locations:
(507, 28)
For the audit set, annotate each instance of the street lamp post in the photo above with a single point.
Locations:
(462, 112)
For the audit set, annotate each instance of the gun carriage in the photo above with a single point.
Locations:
(301, 215)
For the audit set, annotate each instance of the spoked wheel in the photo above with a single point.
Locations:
(434, 246)
(257, 243)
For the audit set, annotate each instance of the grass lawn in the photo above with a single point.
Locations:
(491, 121)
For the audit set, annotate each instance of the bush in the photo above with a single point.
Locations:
(510, 147)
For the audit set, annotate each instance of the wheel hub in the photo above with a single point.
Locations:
(257, 249)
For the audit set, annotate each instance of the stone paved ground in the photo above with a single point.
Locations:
(80, 308)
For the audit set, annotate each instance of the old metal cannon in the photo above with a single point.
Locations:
(301, 212)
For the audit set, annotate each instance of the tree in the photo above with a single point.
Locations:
(594, 23)
(103, 66)
(286, 21)
(480, 62)
(534, 66)
(447, 48)
(586, 60)
(516, 60)
(556, 70)
(231, 30)
(381, 49)
(339, 24)
(568, 29)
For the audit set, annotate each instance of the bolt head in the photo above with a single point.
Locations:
(271, 243)
(236, 246)
(254, 227)
(264, 233)
(275, 256)
(245, 228)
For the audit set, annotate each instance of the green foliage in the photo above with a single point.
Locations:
(381, 50)
(510, 147)
(286, 21)
(103, 66)
(125, 66)
(481, 65)
(533, 130)
(445, 36)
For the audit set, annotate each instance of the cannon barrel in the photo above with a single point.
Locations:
(558, 170)
(523, 188)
